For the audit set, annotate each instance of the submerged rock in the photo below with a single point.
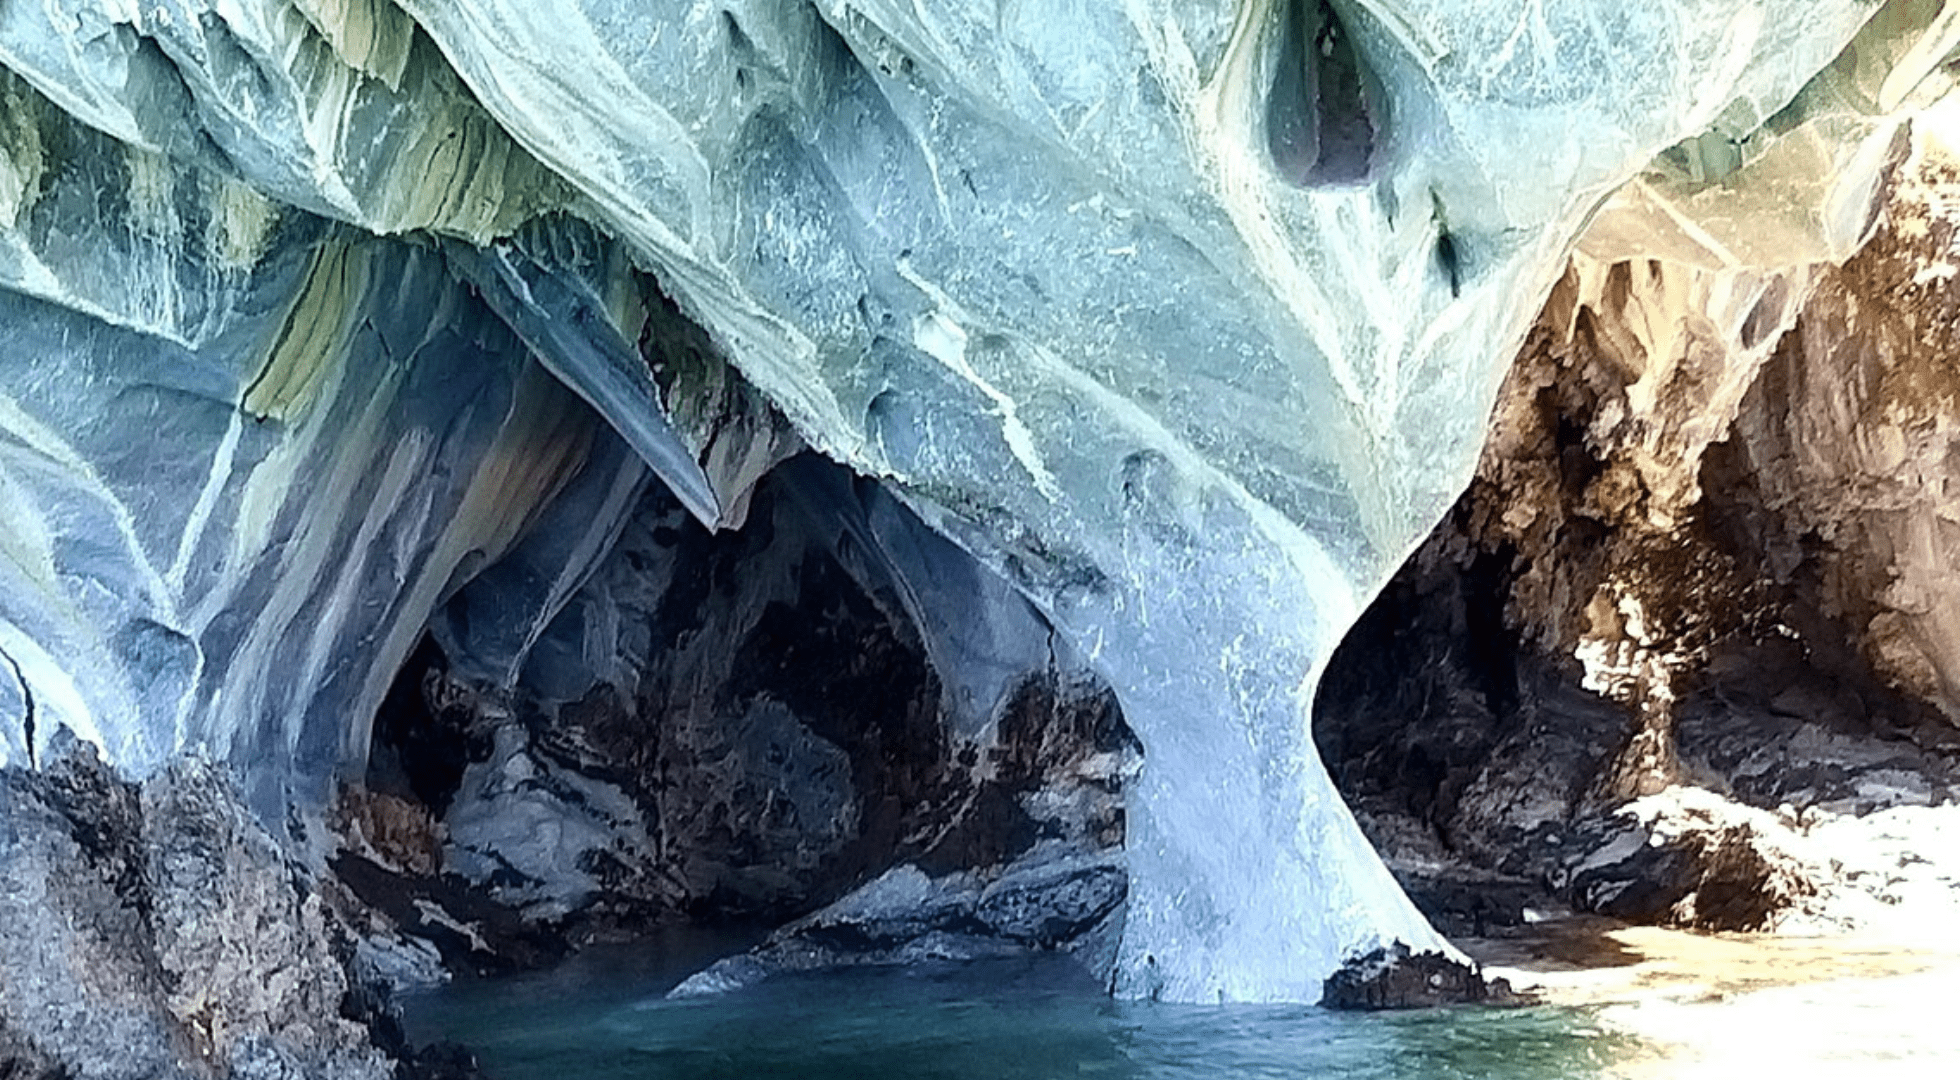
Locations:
(1046, 901)
(440, 1061)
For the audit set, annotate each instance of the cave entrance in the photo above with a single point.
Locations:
(734, 729)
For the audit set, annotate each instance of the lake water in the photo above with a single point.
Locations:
(603, 1017)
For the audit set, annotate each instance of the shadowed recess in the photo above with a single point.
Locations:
(1321, 117)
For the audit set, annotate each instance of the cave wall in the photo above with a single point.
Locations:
(1697, 593)
(249, 452)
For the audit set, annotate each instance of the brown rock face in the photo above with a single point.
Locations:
(1593, 484)
(158, 930)
(1847, 450)
(1712, 544)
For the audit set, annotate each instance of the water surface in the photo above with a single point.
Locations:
(605, 1018)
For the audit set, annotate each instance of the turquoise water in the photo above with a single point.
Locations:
(605, 1019)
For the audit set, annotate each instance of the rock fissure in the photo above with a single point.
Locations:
(27, 721)
(1322, 125)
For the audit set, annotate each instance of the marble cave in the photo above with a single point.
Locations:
(1258, 503)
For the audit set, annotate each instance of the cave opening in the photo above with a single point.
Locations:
(1470, 721)
(739, 731)
(420, 750)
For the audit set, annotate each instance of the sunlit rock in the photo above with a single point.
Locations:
(1684, 652)
(156, 929)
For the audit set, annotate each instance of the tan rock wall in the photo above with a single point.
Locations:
(1853, 436)
(1830, 396)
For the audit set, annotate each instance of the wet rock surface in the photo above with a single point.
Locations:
(1717, 879)
(1049, 900)
(1397, 978)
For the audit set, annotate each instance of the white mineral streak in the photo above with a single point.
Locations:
(939, 335)
(1032, 260)
(328, 105)
(371, 36)
(243, 457)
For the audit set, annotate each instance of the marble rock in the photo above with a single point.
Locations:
(1185, 318)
